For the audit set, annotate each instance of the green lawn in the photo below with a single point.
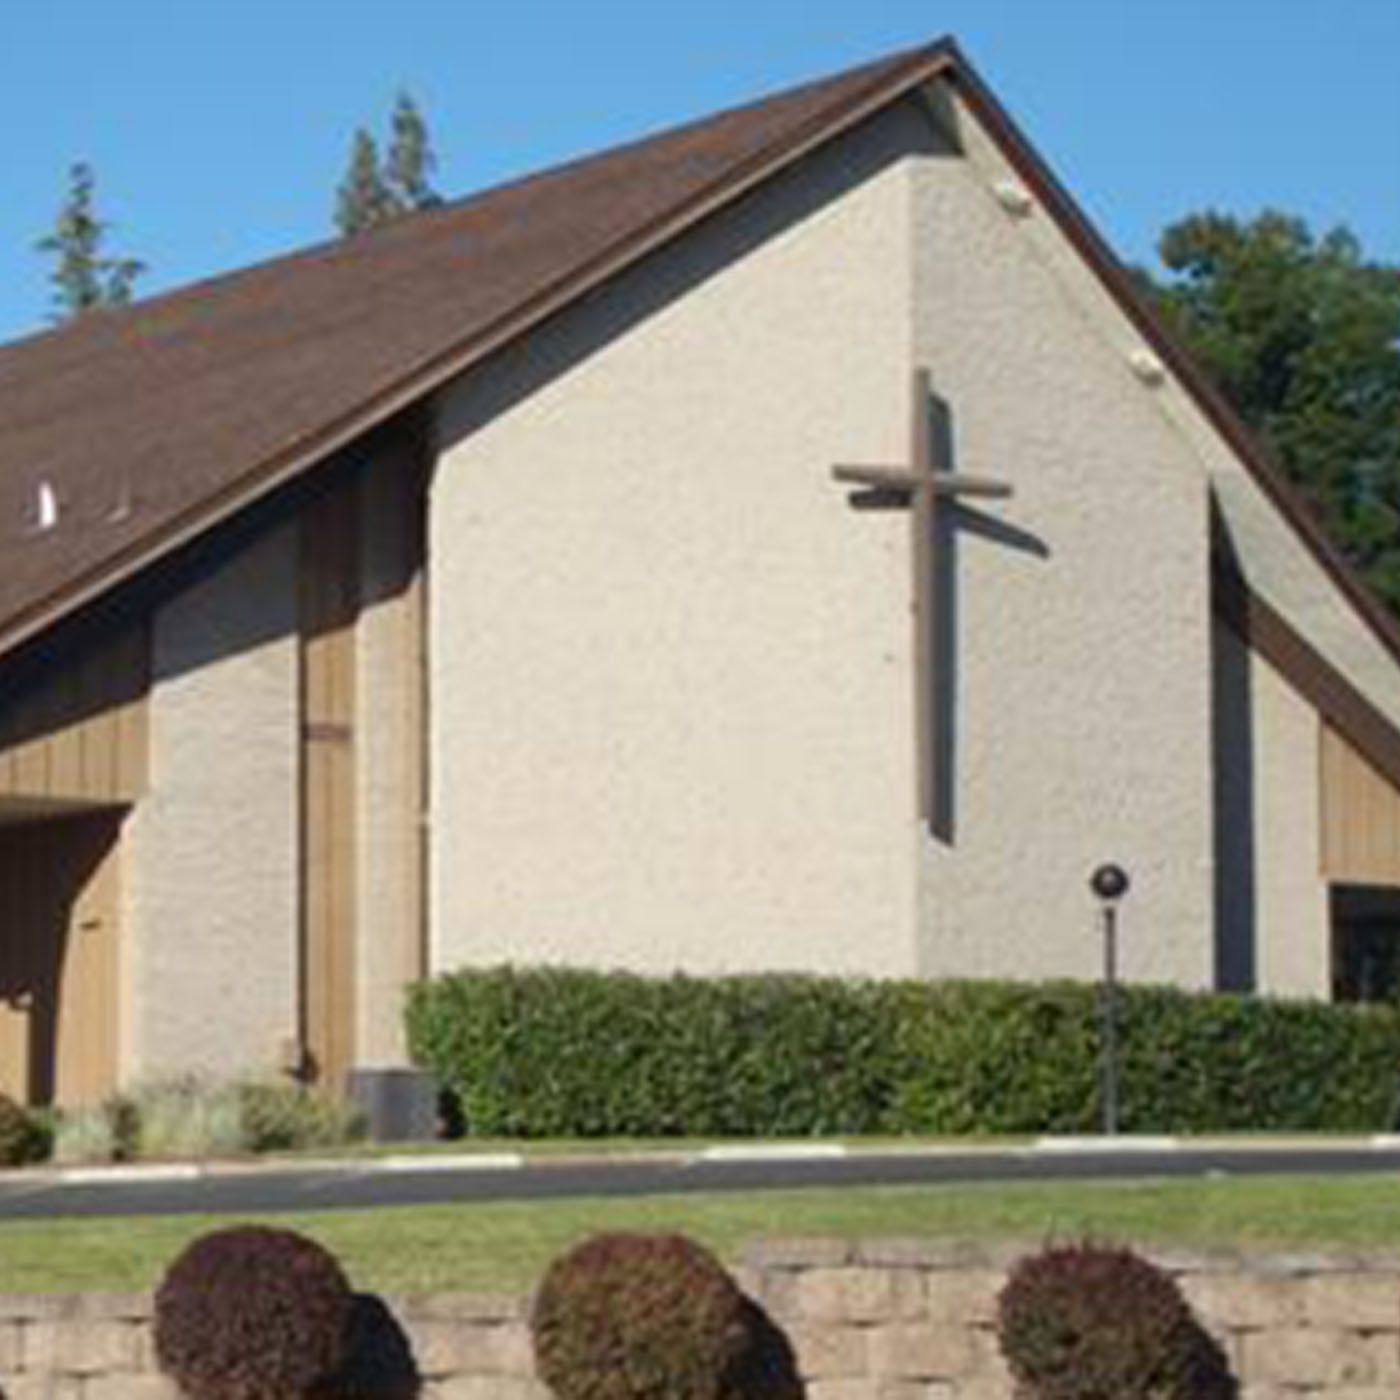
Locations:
(503, 1246)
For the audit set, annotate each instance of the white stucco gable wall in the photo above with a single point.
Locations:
(1287, 895)
(672, 720)
(669, 664)
(1275, 560)
(1081, 686)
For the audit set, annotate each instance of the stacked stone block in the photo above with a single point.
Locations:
(868, 1320)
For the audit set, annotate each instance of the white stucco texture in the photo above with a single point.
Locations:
(670, 713)
(1081, 671)
(671, 668)
(1289, 899)
(1273, 916)
(1293, 916)
(211, 852)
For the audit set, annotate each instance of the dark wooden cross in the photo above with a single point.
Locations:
(923, 485)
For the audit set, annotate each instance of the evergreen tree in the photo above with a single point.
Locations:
(363, 199)
(84, 279)
(411, 161)
(1302, 334)
(374, 192)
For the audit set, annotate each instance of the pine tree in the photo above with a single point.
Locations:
(411, 161)
(364, 199)
(84, 279)
(374, 192)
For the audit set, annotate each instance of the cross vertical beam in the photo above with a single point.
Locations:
(923, 521)
(923, 484)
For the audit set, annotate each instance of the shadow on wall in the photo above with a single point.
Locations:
(1232, 737)
(648, 288)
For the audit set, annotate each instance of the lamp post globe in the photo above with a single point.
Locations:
(1109, 882)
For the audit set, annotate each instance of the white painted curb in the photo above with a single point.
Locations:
(462, 1162)
(1107, 1144)
(101, 1176)
(779, 1152)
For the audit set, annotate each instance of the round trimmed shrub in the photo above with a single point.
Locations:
(252, 1313)
(641, 1317)
(1086, 1322)
(22, 1136)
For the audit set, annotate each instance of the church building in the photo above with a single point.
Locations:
(784, 543)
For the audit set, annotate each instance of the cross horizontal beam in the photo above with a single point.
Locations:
(940, 484)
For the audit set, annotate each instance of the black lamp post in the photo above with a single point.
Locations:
(1109, 884)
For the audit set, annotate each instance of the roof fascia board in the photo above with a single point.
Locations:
(1074, 224)
(424, 379)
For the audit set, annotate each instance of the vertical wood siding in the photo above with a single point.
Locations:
(1360, 817)
(81, 734)
(60, 948)
(329, 605)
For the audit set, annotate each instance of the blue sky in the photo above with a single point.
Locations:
(219, 129)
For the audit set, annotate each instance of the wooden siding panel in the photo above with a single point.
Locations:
(65, 743)
(1360, 817)
(17, 953)
(81, 734)
(329, 607)
(60, 946)
(86, 1052)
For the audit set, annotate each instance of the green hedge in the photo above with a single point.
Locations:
(552, 1052)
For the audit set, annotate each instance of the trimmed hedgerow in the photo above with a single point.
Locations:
(1088, 1322)
(543, 1052)
(251, 1313)
(549, 1051)
(641, 1317)
(997, 1057)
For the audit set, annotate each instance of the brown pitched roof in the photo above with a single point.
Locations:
(154, 422)
(189, 406)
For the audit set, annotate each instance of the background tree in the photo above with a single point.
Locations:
(374, 191)
(411, 162)
(1303, 336)
(363, 199)
(84, 279)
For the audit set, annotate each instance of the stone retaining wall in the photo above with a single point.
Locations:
(879, 1320)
